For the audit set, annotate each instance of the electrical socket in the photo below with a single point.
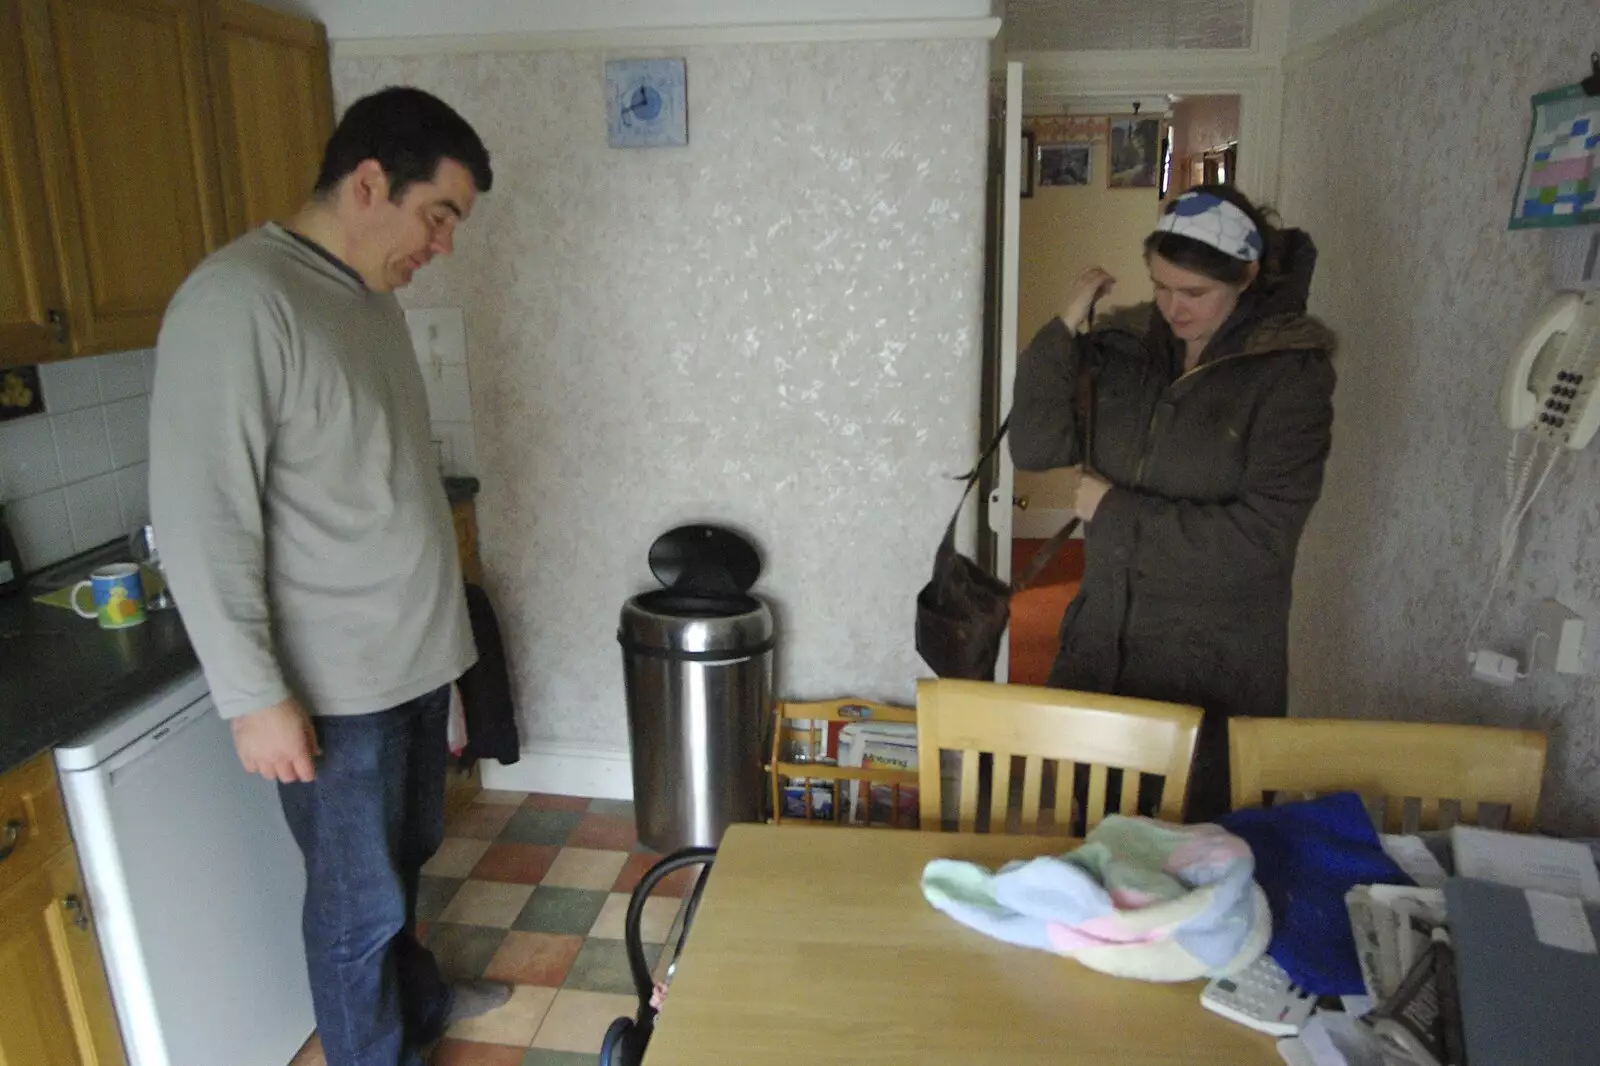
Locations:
(1557, 641)
(1494, 668)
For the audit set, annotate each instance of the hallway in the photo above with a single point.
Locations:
(1036, 613)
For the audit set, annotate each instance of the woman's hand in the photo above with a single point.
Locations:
(1091, 490)
(1084, 291)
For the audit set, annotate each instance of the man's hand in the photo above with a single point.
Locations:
(277, 742)
(1091, 490)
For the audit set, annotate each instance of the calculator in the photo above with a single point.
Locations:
(1261, 996)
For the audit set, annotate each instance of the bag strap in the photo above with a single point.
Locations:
(971, 477)
(1041, 558)
(1050, 548)
(1046, 551)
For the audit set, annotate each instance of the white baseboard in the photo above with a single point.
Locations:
(1040, 524)
(565, 769)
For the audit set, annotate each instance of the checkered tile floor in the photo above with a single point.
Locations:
(532, 889)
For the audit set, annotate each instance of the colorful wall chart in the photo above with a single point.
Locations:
(1561, 176)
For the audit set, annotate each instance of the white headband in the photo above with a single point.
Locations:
(1214, 221)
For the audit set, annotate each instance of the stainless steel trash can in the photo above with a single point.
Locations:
(697, 669)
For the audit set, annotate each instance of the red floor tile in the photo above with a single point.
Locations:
(465, 1053)
(605, 832)
(534, 959)
(544, 801)
(676, 884)
(521, 864)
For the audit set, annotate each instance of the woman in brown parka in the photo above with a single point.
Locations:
(1212, 412)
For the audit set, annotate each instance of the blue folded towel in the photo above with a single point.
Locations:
(1308, 855)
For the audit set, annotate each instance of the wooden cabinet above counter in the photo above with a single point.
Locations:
(136, 137)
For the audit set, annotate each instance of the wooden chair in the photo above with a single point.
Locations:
(851, 787)
(1390, 763)
(1051, 728)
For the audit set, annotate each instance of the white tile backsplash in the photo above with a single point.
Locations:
(42, 528)
(448, 399)
(128, 424)
(438, 334)
(123, 374)
(95, 513)
(439, 339)
(76, 477)
(460, 447)
(28, 464)
(82, 445)
(133, 494)
(70, 386)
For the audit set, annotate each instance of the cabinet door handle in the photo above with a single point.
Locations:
(77, 911)
(58, 319)
(9, 835)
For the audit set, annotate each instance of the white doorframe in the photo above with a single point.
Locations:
(1254, 74)
(1000, 516)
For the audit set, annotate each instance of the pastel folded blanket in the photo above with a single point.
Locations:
(1140, 898)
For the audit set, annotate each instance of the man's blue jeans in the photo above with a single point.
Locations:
(372, 817)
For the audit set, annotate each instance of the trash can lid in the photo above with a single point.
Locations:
(705, 559)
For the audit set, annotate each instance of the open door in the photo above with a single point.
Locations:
(1005, 225)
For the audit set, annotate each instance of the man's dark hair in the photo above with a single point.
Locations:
(408, 132)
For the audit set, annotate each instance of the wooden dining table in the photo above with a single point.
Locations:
(814, 945)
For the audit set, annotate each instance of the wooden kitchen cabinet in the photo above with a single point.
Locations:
(130, 158)
(30, 275)
(57, 1004)
(274, 104)
(136, 137)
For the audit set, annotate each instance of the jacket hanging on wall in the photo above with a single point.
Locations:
(486, 690)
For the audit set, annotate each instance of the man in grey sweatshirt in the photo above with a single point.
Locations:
(305, 531)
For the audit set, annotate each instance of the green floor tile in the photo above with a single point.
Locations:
(602, 966)
(463, 951)
(532, 826)
(544, 1057)
(560, 910)
(434, 895)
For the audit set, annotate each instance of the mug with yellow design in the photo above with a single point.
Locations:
(118, 596)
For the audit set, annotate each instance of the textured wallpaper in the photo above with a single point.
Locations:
(1401, 154)
(776, 328)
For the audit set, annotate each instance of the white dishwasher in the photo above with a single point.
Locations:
(195, 883)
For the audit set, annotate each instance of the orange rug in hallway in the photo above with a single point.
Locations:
(1036, 614)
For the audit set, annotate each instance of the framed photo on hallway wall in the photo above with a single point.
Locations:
(1064, 164)
(1133, 153)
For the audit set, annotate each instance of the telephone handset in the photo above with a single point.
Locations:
(1550, 386)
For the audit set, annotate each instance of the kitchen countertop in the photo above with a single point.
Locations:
(61, 675)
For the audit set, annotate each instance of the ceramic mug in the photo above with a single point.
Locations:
(118, 596)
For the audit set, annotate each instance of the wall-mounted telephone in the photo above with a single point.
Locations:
(1550, 386)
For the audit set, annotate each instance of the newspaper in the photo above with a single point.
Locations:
(1420, 1025)
(1392, 926)
(1403, 947)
